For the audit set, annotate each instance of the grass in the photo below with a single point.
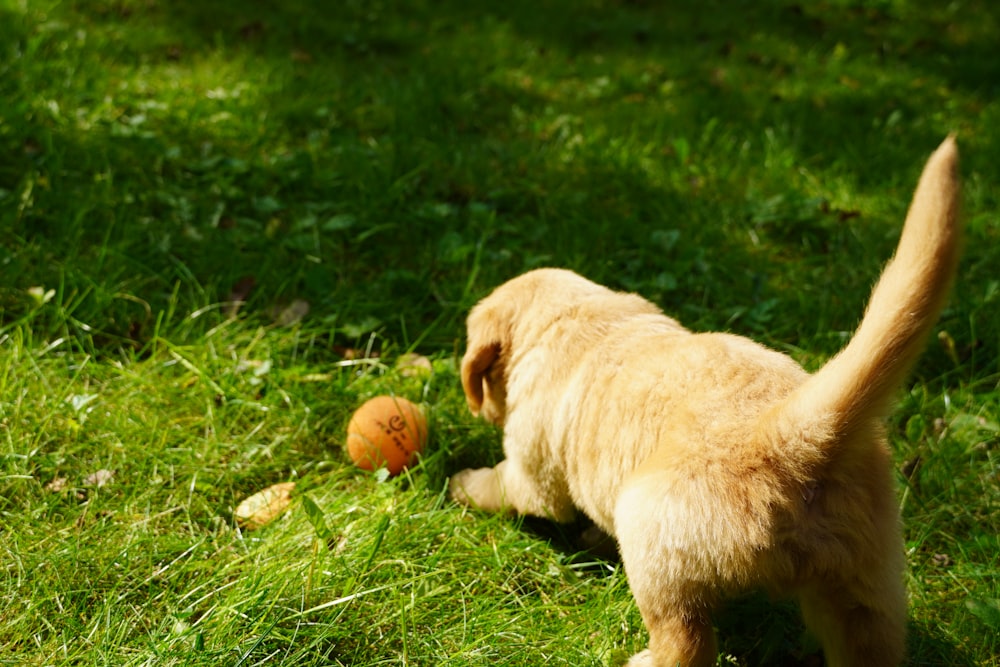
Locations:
(222, 225)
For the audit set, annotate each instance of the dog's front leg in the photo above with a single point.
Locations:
(507, 488)
(481, 488)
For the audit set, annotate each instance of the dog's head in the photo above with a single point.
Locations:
(537, 306)
(484, 366)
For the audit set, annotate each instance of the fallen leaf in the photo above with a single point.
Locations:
(264, 506)
(99, 478)
(293, 313)
(412, 364)
(942, 560)
(56, 485)
(238, 295)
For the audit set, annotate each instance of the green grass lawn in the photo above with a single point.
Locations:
(221, 224)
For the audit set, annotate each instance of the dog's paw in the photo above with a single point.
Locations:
(476, 487)
(641, 659)
(457, 485)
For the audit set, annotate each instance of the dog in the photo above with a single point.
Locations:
(718, 465)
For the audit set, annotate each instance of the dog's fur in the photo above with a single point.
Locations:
(717, 464)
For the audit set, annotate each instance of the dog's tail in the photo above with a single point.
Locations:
(857, 385)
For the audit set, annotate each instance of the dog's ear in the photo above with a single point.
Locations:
(476, 363)
(489, 339)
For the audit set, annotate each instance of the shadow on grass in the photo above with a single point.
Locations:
(430, 175)
(929, 647)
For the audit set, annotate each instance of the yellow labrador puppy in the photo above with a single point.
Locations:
(718, 465)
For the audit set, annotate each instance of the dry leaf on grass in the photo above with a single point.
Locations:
(57, 485)
(292, 314)
(412, 364)
(239, 295)
(99, 478)
(264, 506)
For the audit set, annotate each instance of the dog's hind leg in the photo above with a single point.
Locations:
(667, 575)
(859, 624)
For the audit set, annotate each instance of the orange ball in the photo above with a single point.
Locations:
(386, 431)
